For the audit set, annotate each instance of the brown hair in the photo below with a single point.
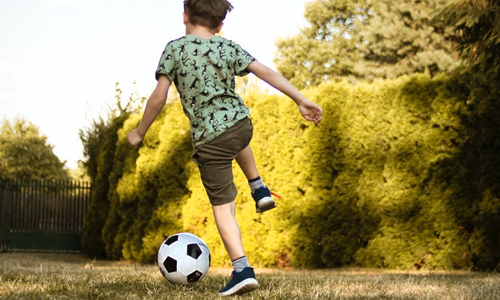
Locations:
(208, 13)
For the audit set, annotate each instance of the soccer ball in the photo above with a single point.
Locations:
(183, 258)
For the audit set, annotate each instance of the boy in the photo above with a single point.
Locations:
(203, 67)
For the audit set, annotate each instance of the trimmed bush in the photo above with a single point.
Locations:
(400, 174)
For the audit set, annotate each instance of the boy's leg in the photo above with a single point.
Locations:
(260, 193)
(228, 229)
(230, 234)
(243, 277)
(215, 161)
(247, 164)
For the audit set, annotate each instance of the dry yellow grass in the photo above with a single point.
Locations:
(70, 276)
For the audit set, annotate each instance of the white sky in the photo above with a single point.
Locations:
(60, 59)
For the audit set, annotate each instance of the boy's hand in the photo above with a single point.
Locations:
(134, 138)
(311, 111)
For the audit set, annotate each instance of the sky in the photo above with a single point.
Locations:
(60, 59)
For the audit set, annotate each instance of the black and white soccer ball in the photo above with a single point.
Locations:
(183, 258)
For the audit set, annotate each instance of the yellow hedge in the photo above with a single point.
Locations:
(395, 176)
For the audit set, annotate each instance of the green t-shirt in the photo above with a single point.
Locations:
(204, 71)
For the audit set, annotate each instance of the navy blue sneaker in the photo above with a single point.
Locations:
(240, 283)
(263, 199)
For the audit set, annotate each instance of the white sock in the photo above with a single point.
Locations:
(256, 183)
(240, 263)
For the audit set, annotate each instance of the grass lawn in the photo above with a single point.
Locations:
(73, 276)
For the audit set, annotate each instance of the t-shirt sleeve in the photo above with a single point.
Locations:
(243, 59)
(167, 63)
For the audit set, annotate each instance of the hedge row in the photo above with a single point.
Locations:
(400, 174)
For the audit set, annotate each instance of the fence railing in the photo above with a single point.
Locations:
(42, 214)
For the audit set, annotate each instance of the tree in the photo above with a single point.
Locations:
(100, 150)
(25, 153)
(366, 39)
(477, 27)
(401, 39)
(326, 50)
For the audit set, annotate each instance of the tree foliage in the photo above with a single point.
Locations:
(365, 39)
(476, 24)
(25, 153)
(401, 39)
(99, 146)
(326, 50)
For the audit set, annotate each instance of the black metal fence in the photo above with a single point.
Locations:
(42, 215)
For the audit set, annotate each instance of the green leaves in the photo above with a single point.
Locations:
(365, 40)
(25, 153)
(477, 31)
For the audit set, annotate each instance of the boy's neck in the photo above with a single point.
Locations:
(200, 31)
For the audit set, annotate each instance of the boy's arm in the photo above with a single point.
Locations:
(154, 105)
(309, 110)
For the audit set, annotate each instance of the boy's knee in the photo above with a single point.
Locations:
(224, 212)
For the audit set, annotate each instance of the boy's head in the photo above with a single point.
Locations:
(207, 13)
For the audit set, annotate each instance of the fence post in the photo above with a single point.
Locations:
(5, 211)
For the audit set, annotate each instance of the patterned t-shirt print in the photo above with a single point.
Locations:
(204, 71)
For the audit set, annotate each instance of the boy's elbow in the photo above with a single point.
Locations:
(160, 94)
(157, 100)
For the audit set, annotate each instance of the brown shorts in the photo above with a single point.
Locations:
(215, 161)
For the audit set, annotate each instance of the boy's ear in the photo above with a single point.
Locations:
(185, 18)
(219, 28)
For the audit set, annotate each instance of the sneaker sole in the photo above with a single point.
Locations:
(265, 204)
(243, 287)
